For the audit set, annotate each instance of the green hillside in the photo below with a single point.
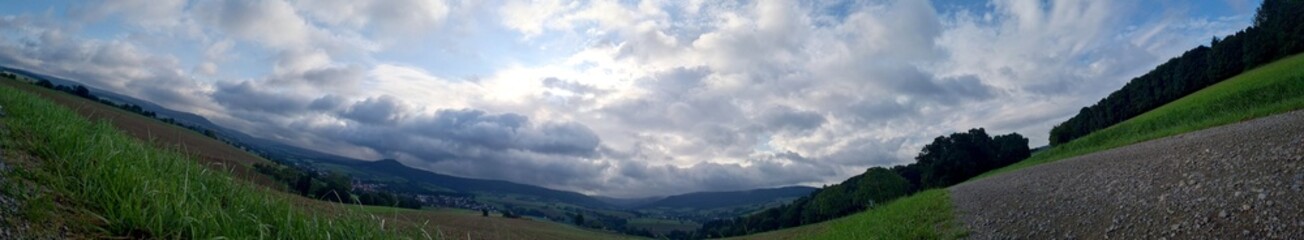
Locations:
(925, 215)
(1274, 88)
(90, 177)
(1271, 89)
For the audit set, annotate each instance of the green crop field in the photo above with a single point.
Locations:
(125, 187)
(1271, 89)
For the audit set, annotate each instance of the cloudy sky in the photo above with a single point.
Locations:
(622, 98)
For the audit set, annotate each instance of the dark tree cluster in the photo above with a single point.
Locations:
(949, 160)
(1277, 33)
(78, 90)
(944, 162)
(335, 187)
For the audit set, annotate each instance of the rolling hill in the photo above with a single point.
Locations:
(392, 167)
(709, 200)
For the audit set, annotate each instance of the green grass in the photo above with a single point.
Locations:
(924, 215)
(139, 191)
(1271, 89)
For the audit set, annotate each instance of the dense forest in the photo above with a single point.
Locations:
(946, 161)
(1277, 32)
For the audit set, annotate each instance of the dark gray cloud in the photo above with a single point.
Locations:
(329, 102)
(249, 96)
(507, 131)
(333, 76)
(786, 117)
(470, 142)
(567, 139)
(379, 110)
(456, 134)
(475, 128)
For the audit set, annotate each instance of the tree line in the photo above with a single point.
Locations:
(333, 186)
(1276, 33)
(946, 161)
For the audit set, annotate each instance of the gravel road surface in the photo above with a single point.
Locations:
(1239, 181)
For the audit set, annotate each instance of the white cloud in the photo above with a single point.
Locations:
(388, 18)
(274, 23)
(625, 98)
(143, 13)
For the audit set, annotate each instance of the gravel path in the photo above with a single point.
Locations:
(1240, 181)
(13, 225)
(10, 228)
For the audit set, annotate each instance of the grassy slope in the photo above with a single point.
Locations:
(1271, 89)
(167, 140)
(925, 215)
(216, 155)
(138, 190)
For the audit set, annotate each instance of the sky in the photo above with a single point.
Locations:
(628, 98)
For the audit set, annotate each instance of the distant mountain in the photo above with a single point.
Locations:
(469, 185)
(709, 200)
